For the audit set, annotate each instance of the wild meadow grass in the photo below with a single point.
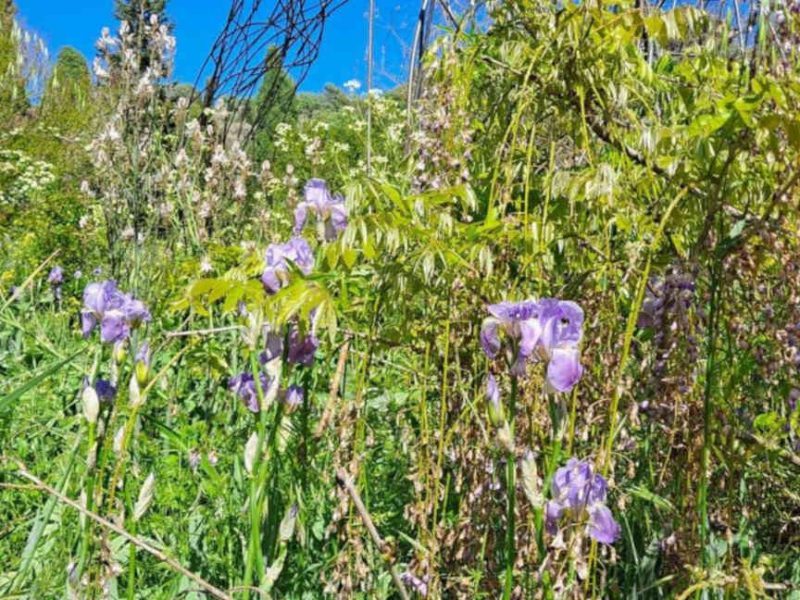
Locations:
(534, 335)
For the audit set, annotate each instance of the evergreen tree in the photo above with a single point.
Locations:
(274, 103)
(67, 92)
(137, 12)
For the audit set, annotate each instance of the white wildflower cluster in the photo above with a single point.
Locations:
(147, 176)
(124, 58)
(22, 177)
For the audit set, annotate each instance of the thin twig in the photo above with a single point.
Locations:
(27, 282)
(344, 482)
(333, 392)
(170, 562)
(210, 331)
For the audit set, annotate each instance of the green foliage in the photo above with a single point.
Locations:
(630, 160)
(67, 98)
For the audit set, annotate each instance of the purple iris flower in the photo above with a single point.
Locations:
(329, 209)
(579, 492)
(276, 272)
(106, 391)
(293, 398)
(548, 328)
(116, 312)
(301, 347)
(517, 320)
(56, 276)
(244, 386)
(273, 349)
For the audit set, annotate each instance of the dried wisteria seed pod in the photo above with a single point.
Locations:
(673, 313)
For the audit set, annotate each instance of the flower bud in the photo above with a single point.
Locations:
(142, 371)
(273, 369)
(143, 363)
(135, 395)
(91, 404)
(505, 439)
(496, 412)
(250, 450)
(292, 398)
(145, 497)
(118, 438)
(252, 332)
(531, 484)
(286, 528)
(120, 352)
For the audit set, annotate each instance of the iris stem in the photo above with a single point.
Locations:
(87, 527)
(131, 551)
(254, 554)
(511, 492)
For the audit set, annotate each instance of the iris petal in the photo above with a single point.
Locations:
(602, 526)
(564, 369)
(490, 338)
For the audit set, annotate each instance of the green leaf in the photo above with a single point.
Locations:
(654, 499)
(7, 400)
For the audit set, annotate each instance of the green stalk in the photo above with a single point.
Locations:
(254, 555)
(131, 550)
(442, 411)
(511, 492)
(90, 482)
(630, 328)
(708, 392)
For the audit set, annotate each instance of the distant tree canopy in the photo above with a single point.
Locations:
(331, 99)
(68, 90)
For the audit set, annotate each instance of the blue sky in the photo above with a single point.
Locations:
(197, 22)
